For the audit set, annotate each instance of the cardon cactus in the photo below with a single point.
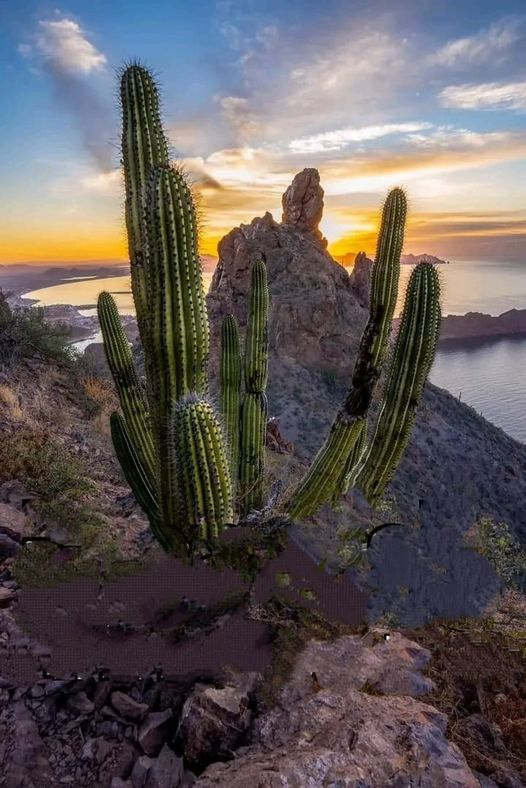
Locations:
(192, 472)
(340, 461)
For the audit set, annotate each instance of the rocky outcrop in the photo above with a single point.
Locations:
(441, 488)
(303, 204)
(361, 278)
(349, 716)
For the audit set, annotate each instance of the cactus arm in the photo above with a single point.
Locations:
(254, 408)
(120, 362)
(179, 336)
(254, 412)
(230, 388)
(144, 146)
(204, 490)
(412, 360)
(133, 469)
(327, 473)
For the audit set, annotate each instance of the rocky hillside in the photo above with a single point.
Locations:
(458, 467)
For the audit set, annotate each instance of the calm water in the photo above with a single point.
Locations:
(490, 376)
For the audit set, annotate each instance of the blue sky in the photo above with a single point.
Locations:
(428, 95)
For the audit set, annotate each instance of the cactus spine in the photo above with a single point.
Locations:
(413, 356)
(325, 478)
(230, 388)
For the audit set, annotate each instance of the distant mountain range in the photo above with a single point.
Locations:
(348, 258)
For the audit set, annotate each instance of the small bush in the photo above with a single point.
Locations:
(25, 333)
(495, 542)
(43, 465)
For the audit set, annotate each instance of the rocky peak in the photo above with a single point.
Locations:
(303, 204)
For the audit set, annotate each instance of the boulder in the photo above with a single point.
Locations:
(127, 707)
(13, 522)
(214, 719)
(334, 731)
(152, 732)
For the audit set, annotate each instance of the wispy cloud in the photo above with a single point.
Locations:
(490, 45)
(485, 96)
(61, 50)
(341, 138)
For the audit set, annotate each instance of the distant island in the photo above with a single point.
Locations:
(348, 259)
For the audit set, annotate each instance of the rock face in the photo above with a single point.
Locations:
(328, 729)
(361, 278)
(303, 204)
(477, 325)
(316, 318)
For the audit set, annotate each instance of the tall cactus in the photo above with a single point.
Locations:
(324, 479)
(178, 461)
(413, 356)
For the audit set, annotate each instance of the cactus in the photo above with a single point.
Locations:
(413, 356)
(325, 478)
(179, 464)
(230, 388)
(254, 408)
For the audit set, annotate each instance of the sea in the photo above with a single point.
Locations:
(489, 375)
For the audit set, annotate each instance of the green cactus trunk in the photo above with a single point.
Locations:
(203, 483)
(325, 478)
(413, 357)
(132, 400)
(144, 146)
(254, 408)
(230, 388)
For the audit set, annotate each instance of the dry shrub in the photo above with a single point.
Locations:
(478, 667)
(11, 401)
(103, 401)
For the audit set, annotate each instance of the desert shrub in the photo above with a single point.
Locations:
(495, 542)
(25, 333)
(43, 465)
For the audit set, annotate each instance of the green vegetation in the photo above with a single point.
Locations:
(24, 333)
(507, 555)
(193, 474)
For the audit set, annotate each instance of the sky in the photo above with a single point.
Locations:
(425, 94)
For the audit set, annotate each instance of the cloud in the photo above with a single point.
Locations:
(485, 96)
(65, 55)
(493, 44)
(104, 182)
(64, 46)
(339, 139)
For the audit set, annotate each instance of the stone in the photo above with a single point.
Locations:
(8, 547)
(13, 522)
(7, 595)
(166, 771)
(152, 732)
(79, 703)
(127, 707)
(336, 733)
(213, 720)
(140, 771)
(303, 204)
(14, 493)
